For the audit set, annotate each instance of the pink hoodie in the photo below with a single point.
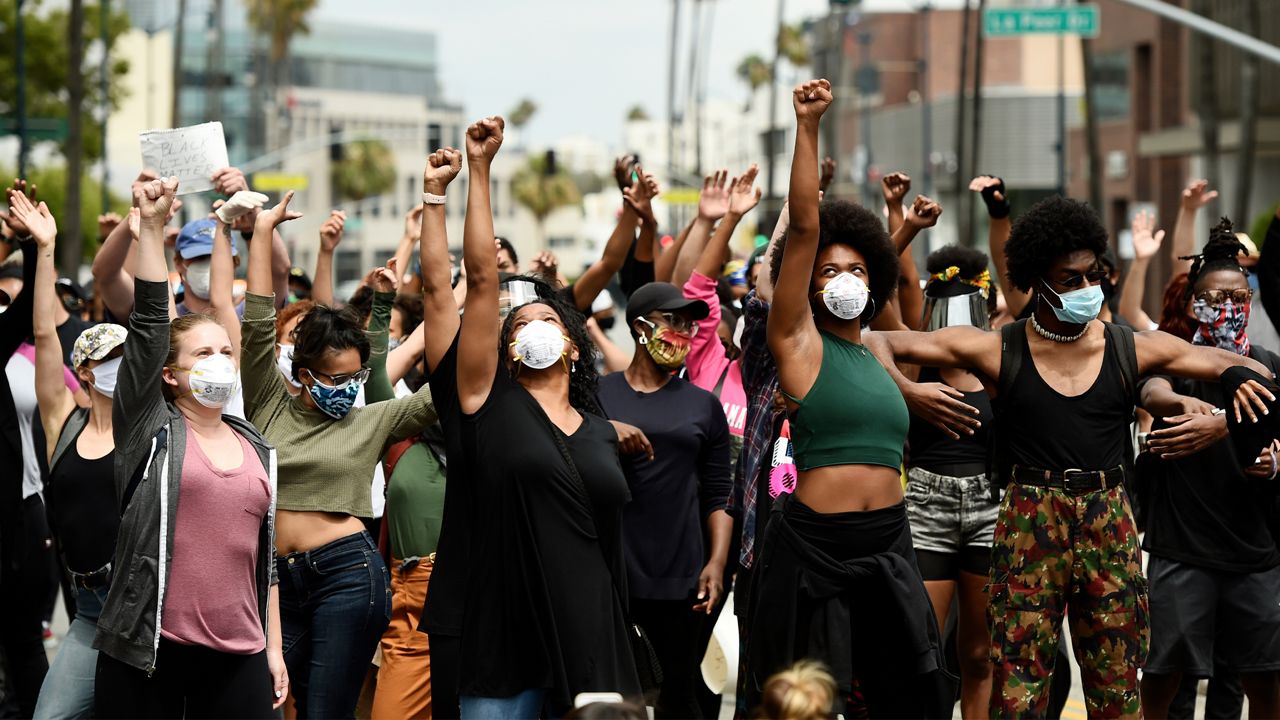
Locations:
(706, 362)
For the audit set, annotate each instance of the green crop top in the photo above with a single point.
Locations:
(853, 415)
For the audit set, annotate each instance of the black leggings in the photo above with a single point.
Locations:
(674, 629)
(189, 681)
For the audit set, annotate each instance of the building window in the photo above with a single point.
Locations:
(435, 137)
(1111, 83)
(559, 241)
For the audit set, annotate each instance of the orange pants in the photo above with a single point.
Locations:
(404, 678)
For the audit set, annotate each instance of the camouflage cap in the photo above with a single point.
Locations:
(97, 342)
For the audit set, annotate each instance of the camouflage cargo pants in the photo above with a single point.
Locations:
(1059, 554)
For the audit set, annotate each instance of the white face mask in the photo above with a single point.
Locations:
(197, 278)
(539, 344)
(284, 361)
(845, 296)
(214, 380)
(104, 376)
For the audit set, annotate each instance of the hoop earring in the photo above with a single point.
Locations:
(873, 307)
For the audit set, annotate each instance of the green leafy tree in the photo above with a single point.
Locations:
(755, 73)
(542, 193)
(51, 188)
(793, 45)
(637, 112)
(58, 80)
(367, 169)
(522, 113)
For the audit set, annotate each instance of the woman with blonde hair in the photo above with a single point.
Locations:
(804, 691)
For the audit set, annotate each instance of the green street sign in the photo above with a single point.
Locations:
(1082, 20)
(37, 128)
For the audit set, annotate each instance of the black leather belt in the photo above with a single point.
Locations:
(99, 578)
(1071, 481)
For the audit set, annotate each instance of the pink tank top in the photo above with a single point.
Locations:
(211, 598)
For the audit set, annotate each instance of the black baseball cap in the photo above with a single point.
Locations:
(663, 297)
(298, 275)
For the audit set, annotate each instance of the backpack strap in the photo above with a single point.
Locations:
(1011, 344)
(1122, 339)
(389, 461)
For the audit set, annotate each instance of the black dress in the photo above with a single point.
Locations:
(541, 610)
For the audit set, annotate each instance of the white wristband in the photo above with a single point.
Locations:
(430, 199)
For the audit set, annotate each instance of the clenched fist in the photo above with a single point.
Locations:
(811, 100)
(484, 137)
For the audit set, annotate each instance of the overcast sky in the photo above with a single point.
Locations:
(585, 62)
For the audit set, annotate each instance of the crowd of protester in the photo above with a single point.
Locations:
(454, 495)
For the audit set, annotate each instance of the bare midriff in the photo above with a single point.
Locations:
(849, 488)
(302, 530)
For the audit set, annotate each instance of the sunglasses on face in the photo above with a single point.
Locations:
(1215, 298)
(679, 323)
(1093, 276)
(340, 382)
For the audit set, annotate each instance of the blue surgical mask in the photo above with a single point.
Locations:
(1078, 306)
(334, 402)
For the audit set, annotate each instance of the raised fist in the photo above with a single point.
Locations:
(484, 137)
(443, 166)
(154, 199)
(895, 187)
(229, 181)
(924, 213)
(828, 174)
(811, 99)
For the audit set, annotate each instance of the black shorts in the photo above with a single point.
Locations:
(1202, 618)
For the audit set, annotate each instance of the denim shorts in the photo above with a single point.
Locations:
(949, 514)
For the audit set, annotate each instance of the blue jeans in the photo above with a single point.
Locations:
(525, 706)
(67, 691)
(335, 602)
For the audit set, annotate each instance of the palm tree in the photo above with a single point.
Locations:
(522, 113)
(793, 45)
(637, 112)
(542, 193)
(367, 169)
(279, 21)
(755, 72)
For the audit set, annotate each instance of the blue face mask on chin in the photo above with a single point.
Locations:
(334, 402)
(1078, 306)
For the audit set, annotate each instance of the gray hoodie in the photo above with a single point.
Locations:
(151, 442)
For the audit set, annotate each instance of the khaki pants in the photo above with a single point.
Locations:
(404, 678)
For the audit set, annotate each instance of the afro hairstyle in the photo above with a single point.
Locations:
(1052, 228)
(841, 222)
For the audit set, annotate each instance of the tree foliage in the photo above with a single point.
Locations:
(754, 71)
(367, 169)
(637, 112)
(542, 194)
(793, 45)
(48, 67)
(279, 21)
(522, 113)
(51, 188)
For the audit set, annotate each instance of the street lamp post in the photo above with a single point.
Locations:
(868, 191)
(20, 42)
(926, 106)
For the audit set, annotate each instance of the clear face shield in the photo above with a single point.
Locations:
(967, 309)
(514, 293)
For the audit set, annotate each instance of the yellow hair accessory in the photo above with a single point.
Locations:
(982, 281)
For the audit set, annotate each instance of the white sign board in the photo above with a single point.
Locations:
(192, 154)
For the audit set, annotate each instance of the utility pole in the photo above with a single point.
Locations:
(179, 27)
(671, 106)
(963, 85)
(20, 42)
(692, 111)
(770, 149)
(214, 64)
(926, 107)
(104, 11)
(868, 192)
(1062, 112)
(975, 148)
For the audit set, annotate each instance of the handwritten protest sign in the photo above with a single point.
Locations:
(192, 154)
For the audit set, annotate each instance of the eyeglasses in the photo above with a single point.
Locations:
(1215, 298)
(679, 323)
(340, 382)
(1093, 276)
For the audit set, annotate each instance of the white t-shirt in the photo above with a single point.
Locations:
(378, 488)
(22, 382)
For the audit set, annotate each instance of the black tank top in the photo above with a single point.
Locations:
(82, 506)
(930, 449)
(1045, 430)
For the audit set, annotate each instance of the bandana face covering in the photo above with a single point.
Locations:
(667, 347)
(1222, 327)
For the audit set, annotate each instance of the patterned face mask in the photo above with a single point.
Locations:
(667, 347)
(1222, 326)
